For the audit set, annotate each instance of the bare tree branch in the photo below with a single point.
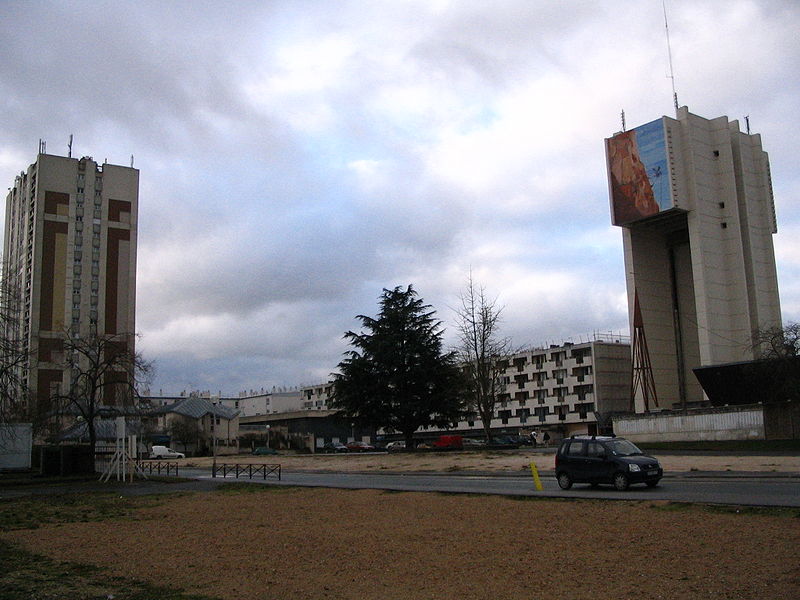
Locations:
(480, 349)
(105, 374)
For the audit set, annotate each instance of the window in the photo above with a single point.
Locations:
(575, 449)
(595, 450)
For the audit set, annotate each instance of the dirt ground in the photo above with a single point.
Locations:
(291, 543)
(506, 460)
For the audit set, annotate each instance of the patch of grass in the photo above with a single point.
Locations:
(33, 512)
(34, 478)
(24, 575)
(761, 511)
(246, 487)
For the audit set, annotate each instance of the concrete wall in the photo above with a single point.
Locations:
(729, 423)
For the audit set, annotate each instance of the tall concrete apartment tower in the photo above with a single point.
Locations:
(694, 199)
(70, 258)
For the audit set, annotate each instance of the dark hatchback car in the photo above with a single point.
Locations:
(334, 448)
(597, 460)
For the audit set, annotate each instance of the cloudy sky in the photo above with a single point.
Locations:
(297, 157)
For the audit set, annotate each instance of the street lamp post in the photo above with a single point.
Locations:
(267, 427)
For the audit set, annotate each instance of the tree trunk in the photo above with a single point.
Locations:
(487, 429)
(92, 442)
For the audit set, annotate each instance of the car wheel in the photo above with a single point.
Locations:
(564, 481)
(621, 482)
(652, 484)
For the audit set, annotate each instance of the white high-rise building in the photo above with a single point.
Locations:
(694, 199)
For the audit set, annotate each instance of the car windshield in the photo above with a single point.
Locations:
(623, 448)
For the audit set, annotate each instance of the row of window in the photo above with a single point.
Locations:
(541, 412)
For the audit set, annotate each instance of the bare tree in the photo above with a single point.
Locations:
(480, 350)
(779, 343)
(778, 349)
(14, 359)
(104, 373)
(185, 431)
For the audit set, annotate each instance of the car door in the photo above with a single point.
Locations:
(575, 456)
(599, 466)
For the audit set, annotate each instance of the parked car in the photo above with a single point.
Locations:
(333, 448)
(159, 452)
(360, 447)
(448, 442)
(599, 459)
(473, 443)
(504, 441)
(396, 446)
(263, 451)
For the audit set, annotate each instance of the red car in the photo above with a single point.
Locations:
(360, 447)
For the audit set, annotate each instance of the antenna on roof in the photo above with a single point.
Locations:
(131, 161)
(669, 54)
(42, 146)
(69, 147)
(622, 117)
(747, 123)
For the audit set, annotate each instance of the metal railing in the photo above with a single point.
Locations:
(249, 471)
(158, 467)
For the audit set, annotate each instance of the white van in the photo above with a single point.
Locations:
(164, 452)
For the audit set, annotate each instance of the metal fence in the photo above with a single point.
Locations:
(248, 471)
(159, 467)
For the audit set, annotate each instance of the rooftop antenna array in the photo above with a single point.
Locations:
(69, 147)
(42, 146)
(669, 54)
(131, 161)
(622, 117)
(747, 123)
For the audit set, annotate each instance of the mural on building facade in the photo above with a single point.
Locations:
(638, 172)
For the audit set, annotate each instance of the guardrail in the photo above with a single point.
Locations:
(158, 466)
(248, 471)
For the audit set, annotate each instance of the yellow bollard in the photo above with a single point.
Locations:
(536, 481)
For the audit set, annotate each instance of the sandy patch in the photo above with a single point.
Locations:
(321, 543)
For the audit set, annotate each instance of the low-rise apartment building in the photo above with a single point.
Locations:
(264, 403)
(316, 397)
(564, 389)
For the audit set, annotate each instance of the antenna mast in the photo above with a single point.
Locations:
(669, 54)
(69, 146)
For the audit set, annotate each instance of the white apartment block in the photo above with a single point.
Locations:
(561, 388)
(316, 397)
(266, 403)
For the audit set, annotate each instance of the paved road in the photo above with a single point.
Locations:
(752, 490)
(715, 488)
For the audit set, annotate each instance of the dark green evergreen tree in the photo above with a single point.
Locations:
(396, 376)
